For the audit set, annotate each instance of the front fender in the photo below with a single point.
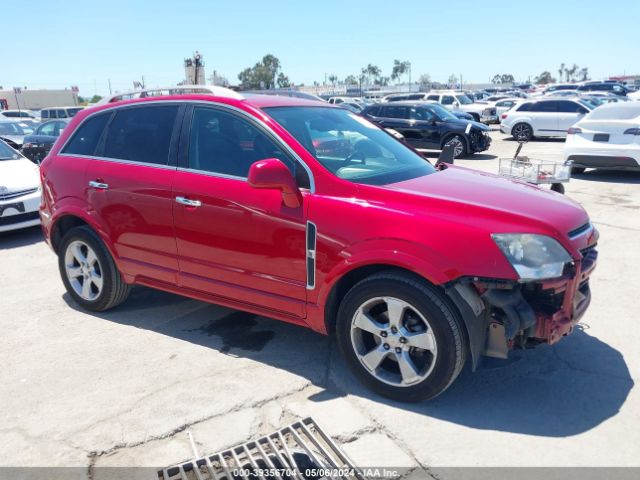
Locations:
(433, 266)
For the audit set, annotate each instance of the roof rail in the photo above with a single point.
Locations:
(177, 90)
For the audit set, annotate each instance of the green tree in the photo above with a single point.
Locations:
(333, 79)
(544, 78)
(584, 74)
(95, 99)
(351, 80)
(263, 74)
(400, 68)
(424, 79)
(452, 79)
(283, 81)
(561, 71)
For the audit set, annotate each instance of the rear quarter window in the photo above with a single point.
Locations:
(525, 107)
(141, 134)
(85, 139)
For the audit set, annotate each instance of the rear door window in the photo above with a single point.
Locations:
(545, 107)
(141, 134)
(85, 140)
(396, 112)
(566, 106)
(448, 100)
(44, 114)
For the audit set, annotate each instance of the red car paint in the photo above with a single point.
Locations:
(245, 249)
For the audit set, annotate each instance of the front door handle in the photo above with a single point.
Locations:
(98, 185)
(188, 202)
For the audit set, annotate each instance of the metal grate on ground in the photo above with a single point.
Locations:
(300, 451)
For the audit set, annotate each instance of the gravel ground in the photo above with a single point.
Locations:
(121, 388)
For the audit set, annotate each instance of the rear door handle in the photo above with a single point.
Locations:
(98, 185)
(188, 202)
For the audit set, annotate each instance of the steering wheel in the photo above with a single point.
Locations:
(351, 157)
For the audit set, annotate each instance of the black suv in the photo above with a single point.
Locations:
(429, 125)
(616, 88)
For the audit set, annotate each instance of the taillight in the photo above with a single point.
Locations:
(503, 116)
(632, 131)
(574, 130)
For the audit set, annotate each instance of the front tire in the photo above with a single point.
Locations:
(459, 145)
(522, 132)
(401, 337)
(88, 271)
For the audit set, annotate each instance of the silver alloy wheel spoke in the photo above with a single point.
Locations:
(73, 272)
(395, 310)
(365, 322)
(374, 358)
(423, 340)
(77, 253)
(408, 369)
(91, 258)
(96, 280)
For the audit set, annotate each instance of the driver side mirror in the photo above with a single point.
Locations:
(272, 174)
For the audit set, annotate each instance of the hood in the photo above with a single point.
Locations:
(16, 139)
(18, 175)
(473, 107)
(463, 124)
(500, 198)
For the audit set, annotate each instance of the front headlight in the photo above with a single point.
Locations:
(534, 257)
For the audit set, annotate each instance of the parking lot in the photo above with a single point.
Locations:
(122, 388)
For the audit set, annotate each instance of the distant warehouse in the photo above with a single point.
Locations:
(36, 99)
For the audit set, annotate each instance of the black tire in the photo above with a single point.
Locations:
(522, 132)
(557, 187)
(445, 324)
(577, 170)
(476, 117)
(114, 290)
(463, 142)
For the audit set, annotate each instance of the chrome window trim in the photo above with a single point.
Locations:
(123, 161)
(249, 117)
(211, 174)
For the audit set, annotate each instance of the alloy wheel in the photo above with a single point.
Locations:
(458, 146)
(393, 341)
(521, 132)
(83, 270)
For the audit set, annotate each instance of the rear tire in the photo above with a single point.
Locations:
(522, 132)
(88, 271)
(401, 337)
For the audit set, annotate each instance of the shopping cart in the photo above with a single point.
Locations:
(535, 171)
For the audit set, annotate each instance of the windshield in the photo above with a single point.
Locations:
(349, 146)
(464, 100)
(10, 128)
(8, 153)
(441, 112)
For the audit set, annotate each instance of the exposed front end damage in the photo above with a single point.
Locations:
(479, 141)
(504, 315)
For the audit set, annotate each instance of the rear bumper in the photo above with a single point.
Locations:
(604, 161)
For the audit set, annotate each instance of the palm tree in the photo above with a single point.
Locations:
(561, 71)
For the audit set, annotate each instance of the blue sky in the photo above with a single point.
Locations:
(55, 44)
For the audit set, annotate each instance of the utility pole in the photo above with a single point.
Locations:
(109, 80)
(143, 86)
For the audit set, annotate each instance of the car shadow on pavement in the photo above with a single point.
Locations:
(608, 176)
(553, 391)
(20, 238)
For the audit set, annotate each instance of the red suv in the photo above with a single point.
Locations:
(305, 212)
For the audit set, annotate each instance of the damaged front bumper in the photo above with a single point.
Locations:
(479, 141)
(502, 315)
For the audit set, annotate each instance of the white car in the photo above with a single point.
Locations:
(17, 114)
(634, 95)
(500, 104)
(543, 117)
(609, 137)
(458, 101)
(19, 190)
(13, 131)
